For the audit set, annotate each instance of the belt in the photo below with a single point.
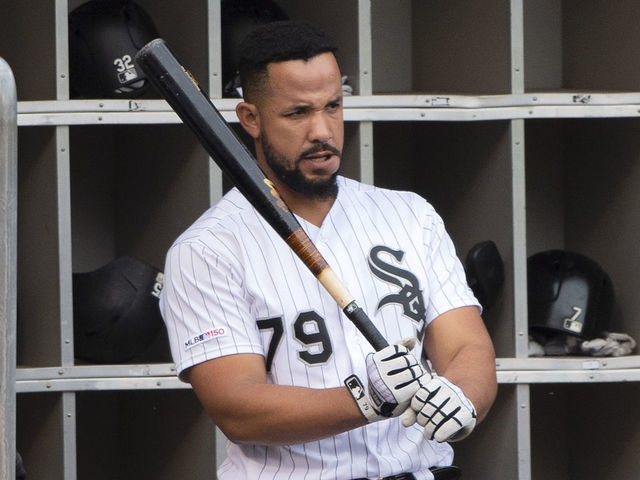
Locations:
(439, 473)
(399, 476)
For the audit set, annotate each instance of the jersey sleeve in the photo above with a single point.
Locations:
(448, 287)
(203, 306)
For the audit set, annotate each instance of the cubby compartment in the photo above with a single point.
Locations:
(184, 29)
(587, 45)
(30, 52)
(464, 171)
(143, 434)
(585, 431)
(39, 435)
(416, 50)
(38, 322)
(582, 196)
(134, 189)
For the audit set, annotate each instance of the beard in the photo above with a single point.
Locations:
(318, 189)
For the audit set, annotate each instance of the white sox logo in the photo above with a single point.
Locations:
(410, 295)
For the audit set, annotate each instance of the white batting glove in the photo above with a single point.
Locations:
(393, 380)
(442, 409)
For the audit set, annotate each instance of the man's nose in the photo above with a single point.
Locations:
(320, 128)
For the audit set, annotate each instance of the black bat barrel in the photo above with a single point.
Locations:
(196, 110)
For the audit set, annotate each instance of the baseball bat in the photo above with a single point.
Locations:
(196, 110)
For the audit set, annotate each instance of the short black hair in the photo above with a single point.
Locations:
(239, 17)
(278, 41)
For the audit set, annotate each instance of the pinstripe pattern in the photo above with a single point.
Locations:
(229, 269)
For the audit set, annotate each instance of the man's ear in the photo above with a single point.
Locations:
(248, 115)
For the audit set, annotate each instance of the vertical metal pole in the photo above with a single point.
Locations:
(523, 413)
(517, 46)
(62, 49)
(68, 399)
(8, 261)
(365, 82)
(215, 48)
(365, 59)
(215, 86)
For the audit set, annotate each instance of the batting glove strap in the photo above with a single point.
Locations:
(444, 411)
(357, 391)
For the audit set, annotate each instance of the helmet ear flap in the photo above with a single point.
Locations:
(570, 294)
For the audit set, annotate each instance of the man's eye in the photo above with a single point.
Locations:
(296, 113)
(333, 106)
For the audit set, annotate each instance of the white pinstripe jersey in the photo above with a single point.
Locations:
(233, 286)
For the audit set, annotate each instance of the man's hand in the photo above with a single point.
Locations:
(442, 409)
(393, 380)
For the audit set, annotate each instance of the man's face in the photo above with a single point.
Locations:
(301, 126)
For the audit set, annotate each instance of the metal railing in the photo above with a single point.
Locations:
(8, 252)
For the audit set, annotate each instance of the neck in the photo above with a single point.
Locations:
(312, 210)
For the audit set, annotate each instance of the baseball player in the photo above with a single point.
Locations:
(290, 381)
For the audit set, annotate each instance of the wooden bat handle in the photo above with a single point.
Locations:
(301, 244)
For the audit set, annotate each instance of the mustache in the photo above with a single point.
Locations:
(321, 147)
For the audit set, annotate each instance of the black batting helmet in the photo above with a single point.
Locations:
(116, 315)
(104, 37)
(570, 294)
